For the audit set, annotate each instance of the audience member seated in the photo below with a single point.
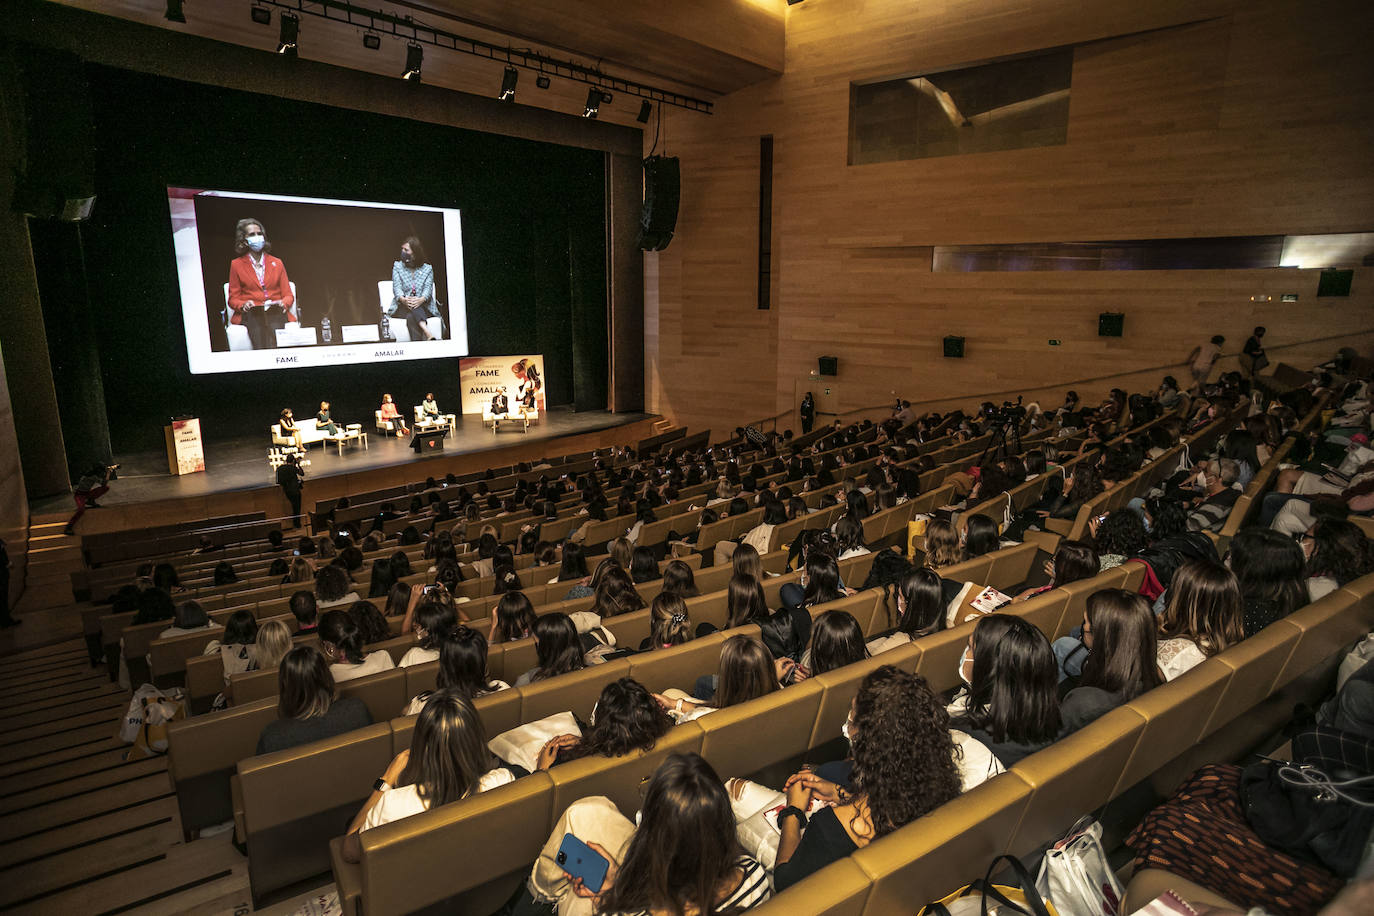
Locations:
(1270, 570)
(393, 416)
(513, 618)
(1203, 616)
(306, 708)
(190, 617)
(341, 642)
(942, 546)
(557, 649)
(644, 566)
(683, 857)
(447, 761)
(747, 671)
(237, 645)
(274, 641)
(1073, 561)
(371, 624)
(432, 621)
(904, 767)
(306, 611)
(980, 536)
(920, 606)
(1120, 636)
(1120, 536)
(836, 640)
(678, 579)
(1011, 704)
(154, 606)
(1337, 553)
(462, 667)
(333, 588)
(669, 624)
(1216, 497)
(626, 718)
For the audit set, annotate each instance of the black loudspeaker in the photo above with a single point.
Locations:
(954, 347)
(828, 365)
(1110, 324)
(423, 443)
(58, 176)
(662, 186)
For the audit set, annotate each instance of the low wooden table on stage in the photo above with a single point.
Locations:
(354, 433)
(520, 415)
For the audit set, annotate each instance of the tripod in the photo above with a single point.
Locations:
(998, 447)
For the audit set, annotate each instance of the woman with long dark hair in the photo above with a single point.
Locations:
(1271, 572)
(679, 580)
(412, 290)
(306, 708)
(1203, 616)
(512, 618)
(556, 647)
(341, 642)
(432, 621)
(683, 857)
(626, 718)
(821, 579)
(920, 607)
(1120, 634)
(462, 667)
(1012, 702)
(447, 761)
(836, 640)
(744, 601)
(980, 536)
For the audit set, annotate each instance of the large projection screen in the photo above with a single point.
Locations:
(338, 258)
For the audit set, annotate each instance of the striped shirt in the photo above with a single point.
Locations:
(753, 889)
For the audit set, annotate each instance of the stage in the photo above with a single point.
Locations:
(239, 466)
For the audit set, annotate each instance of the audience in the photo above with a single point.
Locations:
(1011, 704)
(462, 655)
(1203, 616)
(341, 642)
(306, 706)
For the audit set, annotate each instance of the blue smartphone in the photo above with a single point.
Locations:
(581, 861)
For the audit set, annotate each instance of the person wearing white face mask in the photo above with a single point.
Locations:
(260, 296)
(1216, 497)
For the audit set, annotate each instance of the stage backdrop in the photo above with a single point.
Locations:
(483, 376)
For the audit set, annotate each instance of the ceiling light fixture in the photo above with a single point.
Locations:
(372, 41)
(594, 96)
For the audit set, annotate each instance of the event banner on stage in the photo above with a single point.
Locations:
(186, 453)
(519, 378)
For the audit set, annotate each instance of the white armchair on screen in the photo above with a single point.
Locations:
(238, 334)
(399, 329)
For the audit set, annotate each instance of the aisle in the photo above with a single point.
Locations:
(81, 829)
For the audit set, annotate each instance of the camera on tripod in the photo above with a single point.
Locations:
(1007, 413)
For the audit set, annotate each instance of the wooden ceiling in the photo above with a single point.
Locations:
(702, 49)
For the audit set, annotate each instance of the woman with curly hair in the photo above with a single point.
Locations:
(626, 718)
(903, 768)
(1120, 536)
(1337, 553)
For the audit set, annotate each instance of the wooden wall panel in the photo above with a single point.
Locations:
(1213, 118)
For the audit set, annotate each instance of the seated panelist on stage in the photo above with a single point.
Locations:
(412, 288)
(430, 407)
(389, 412)
(499, 404)
(322, 420)
(260, 296)
(288, 427)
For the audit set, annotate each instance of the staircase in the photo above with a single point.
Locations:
(52, 558)
(662, 425)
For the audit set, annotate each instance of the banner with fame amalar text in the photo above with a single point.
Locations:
(483, 377)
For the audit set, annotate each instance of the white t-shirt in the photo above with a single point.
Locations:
(417, 703)
(1178, 655)
(1320, 587)
(403, 801)
(371, 664)
(350, 598)
(976, 763)
(853, 552)
(418, 656)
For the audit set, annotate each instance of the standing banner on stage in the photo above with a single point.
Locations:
(515, 376)
(185, 453)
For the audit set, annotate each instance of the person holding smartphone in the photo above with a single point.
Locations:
(597, 861)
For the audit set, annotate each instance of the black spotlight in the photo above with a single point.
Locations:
(646, 108)
(286, 40)
(261, 15)
(543, 82)
(372, 41)
(594, 96)
(415, 57)
(174, 11)
(508, 81)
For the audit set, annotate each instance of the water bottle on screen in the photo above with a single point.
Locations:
(386, 327)
(325, 334)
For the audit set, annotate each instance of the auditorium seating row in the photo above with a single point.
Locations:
(578, 692)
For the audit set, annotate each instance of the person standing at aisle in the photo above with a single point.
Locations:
(1201, 360)
(1252, 358)
(808, 413)
(291, 477)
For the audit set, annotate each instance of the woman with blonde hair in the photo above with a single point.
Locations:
(669, 624)
(942, 545)
(273, 642)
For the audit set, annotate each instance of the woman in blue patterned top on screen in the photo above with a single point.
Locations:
(412, 287)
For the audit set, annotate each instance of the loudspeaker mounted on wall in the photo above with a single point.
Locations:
(954, 347)
(662, 186)
(1111, 324)
(828, 365)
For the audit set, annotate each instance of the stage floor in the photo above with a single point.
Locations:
(242, 464)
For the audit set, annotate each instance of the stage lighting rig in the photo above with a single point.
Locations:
(290, 30)
(593, 105)
(508, 81)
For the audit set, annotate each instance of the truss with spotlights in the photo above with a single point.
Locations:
(376, 21)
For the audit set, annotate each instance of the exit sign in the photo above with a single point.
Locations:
(1054, 342)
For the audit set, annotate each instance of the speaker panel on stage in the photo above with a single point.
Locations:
(427, 442)
(662, 189)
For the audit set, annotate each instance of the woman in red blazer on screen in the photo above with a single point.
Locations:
(259, 293)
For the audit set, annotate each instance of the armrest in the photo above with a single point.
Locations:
(348, 878)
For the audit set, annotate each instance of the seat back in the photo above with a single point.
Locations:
(839, 889)
(840, 686)
(681, 665)
(621, 779)
(201, 755)
(1255, 665)
(576, 691)
(292, 806)
(1325, 628)
(409, 864)
(742, 739)
(1173, 715)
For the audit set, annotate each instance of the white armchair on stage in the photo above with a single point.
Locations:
(423, 422)
(399, 329)
(238, 334)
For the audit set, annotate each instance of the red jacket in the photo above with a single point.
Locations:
(244, 286)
